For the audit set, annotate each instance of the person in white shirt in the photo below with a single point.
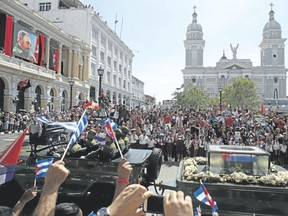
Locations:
(143, 140)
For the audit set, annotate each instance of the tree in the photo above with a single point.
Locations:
(242, 94)
(192, 97)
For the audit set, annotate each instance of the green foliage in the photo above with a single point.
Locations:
(242, 94)
(192, 97)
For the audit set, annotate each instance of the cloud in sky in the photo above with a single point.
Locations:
(155, 31)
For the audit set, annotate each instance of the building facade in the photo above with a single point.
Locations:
(269, 77)
(38, 53)
(108, 51)
(138, 97)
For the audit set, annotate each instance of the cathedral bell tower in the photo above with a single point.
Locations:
(272, 45)
(194, 44)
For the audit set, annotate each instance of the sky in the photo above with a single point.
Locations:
(155, 31)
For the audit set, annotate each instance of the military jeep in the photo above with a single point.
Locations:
(91, 181)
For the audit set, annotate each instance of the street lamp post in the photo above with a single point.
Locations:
(220, 93)
(100, 74)
(71, 83)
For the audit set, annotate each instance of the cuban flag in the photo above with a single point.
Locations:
(72, 126)
(203, 196)
(42, 166)
(198, 211)
(82, 124)
(112, 123)
(9, 158)
(100, 140)
(91, 104)
(110, 131)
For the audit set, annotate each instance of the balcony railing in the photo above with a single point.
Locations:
(28, 67)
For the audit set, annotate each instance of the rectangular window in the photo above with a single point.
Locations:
(93, 69)
(115, 65)
(108, 77)
(94, 51)
(120, 68)
(95, 34)
(119, 82)
(103, 40)
(114, 80)
(102, 56)
(45, 6)
(110, 45)
(109, 61)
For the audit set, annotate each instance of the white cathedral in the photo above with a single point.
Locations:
(269, 77)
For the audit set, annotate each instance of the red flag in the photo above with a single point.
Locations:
(91, 104)
(9, 158)
(262, 109)
(24, 84)
(110, 131)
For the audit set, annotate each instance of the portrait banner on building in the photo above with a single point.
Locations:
(25, 43)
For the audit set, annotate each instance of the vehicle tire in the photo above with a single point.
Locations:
(154, 165)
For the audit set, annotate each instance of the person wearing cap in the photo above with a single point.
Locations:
(121, 142)
(125, 134)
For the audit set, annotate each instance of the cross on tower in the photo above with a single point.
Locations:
(271, 5)
(194, 8)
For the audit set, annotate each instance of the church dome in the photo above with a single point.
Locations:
(194, 26)
(272, 24)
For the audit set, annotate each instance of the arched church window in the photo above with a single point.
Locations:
(275, 93)
(193, 80)
(275, 79)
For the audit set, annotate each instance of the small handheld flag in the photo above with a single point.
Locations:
(203, 196)
(91, 104)
(82, 124)
(42, 166)
(9, 158)
(111, 134)
(198, 211)
(112, 123)
(72, 126)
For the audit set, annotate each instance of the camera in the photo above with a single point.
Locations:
(154, 204)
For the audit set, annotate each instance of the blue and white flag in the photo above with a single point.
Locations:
(112, 123)
(92, 214)
(82, 124)
(101, 141)
(42, 166)
(72, 126)
(203, 196)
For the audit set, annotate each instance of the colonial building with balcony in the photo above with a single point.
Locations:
(108, 50)
(38, 61)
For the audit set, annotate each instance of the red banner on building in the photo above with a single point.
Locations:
(8, 35)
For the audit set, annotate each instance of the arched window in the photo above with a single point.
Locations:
(276, 94)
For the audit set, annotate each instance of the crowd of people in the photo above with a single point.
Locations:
(178, 132)
(127, 201)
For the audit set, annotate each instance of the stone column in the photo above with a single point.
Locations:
(75, 64)
(70, 63)
(47, 51)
